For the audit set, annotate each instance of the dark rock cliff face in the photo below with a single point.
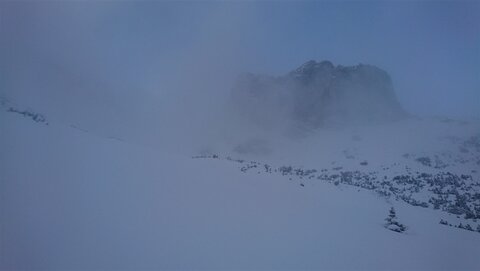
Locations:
(319, 94)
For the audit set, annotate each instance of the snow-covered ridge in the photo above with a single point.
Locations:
(37, 117)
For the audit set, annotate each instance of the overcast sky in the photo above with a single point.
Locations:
(72, 57)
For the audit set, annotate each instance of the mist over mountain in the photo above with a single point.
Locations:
(128, 140)
(319, 94)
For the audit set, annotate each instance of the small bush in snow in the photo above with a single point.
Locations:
(392, 223)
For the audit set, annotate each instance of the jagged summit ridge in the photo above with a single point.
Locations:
(319, 94)
(312, 66)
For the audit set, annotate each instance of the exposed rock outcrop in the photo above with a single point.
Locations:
(319, 94)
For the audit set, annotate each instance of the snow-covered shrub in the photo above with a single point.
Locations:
(392, 223)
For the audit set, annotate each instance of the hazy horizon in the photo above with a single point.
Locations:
(173, 135)
(65, 56)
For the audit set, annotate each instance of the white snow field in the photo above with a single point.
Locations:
(74, 200)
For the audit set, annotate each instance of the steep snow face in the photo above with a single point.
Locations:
(72, 200)
(318, 94)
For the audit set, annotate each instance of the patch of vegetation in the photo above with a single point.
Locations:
(392, 223)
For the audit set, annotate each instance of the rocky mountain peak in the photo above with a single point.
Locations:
(319, 94)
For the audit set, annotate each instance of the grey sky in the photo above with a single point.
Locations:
(69, 56)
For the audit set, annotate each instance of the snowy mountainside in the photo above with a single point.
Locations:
(72, 200)
(430, 162)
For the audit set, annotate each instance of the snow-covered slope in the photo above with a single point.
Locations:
(72, 200)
